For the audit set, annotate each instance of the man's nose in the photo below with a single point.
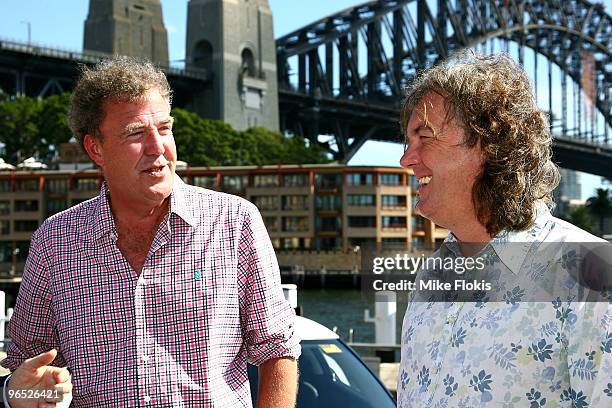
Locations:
(154, 143)
(410, 156)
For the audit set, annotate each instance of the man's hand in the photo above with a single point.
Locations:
(278, 379)
(36, 384)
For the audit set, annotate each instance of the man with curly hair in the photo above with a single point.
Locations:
(541, 333)
(154, 293)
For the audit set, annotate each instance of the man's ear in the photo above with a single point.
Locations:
(93, 149)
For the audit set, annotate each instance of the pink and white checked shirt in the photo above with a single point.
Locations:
(179, 335)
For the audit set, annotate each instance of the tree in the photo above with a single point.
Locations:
(205, 142)
(33, 127)
(600, 206)
(52, 123)
(36, 127)
(18, 127)
(580, 217)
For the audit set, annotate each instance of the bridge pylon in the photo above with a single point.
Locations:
(234, 40)
(127, 27)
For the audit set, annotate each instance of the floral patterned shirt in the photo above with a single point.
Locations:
(518, 351)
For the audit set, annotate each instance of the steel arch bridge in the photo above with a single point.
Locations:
(343, 74)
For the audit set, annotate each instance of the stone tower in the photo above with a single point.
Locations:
(234, 39)
(127, 27)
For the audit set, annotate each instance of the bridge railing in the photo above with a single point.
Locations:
(89, 57)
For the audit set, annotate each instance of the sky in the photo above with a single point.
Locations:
(59, 24)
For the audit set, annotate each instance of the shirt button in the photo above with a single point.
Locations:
(147, 398)
(142, 281)
(145, 358)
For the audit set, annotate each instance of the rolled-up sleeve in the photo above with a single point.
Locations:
(267, 319)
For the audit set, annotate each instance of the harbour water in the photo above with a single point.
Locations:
(344, 309)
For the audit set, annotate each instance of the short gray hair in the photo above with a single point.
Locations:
(121, 79)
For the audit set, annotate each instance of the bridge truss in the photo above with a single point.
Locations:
(343, 74)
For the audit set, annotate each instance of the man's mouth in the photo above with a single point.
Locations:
(155, 170)
(424, 180)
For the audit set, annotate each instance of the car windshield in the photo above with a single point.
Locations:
(331, 375)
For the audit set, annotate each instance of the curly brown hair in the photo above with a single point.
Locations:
(491, 98)
(123, 79)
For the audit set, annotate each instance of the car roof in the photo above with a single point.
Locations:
(310, 330)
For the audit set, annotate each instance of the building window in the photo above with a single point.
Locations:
(295, 224)
(265, 203)
(5, 207)
(389, 243)
(26, 225)
(327, 181)
(271, 223)
(361, 200)
(391, 179)
(21, 251)
(6, 251)
(26, 205)
(363, 243)
(328, 224)
(85, 184)
(327, 202)
(56, 186)
(328, 244)
(393, 201)
(418, 223)
(234, 183)
(393, 222)
(55, 206)
(5, 227)
(265, 180)
(294, 243)
(360, 179)
(5, 185)
(27, 184)
(414, 183)
(296, 180)
(418, 241)
(414, 199)
(295, 202)
(205, 181)
(362, 221)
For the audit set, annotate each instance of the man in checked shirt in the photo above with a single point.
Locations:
(154, 293)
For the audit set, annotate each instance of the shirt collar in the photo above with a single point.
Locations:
(179, 202)
(104, 223)
(512, 247)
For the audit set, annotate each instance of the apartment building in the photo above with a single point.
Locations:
(304, 207)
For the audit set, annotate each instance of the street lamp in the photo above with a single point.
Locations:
(29, 30)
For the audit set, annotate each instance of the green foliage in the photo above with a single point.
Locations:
(205, 142)
(32, 127)
(35, 127)
(581, 217)
(600, 206)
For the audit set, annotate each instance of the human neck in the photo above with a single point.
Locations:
(472, 236)
(137, 215)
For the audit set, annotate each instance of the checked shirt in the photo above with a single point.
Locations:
(180, 334)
